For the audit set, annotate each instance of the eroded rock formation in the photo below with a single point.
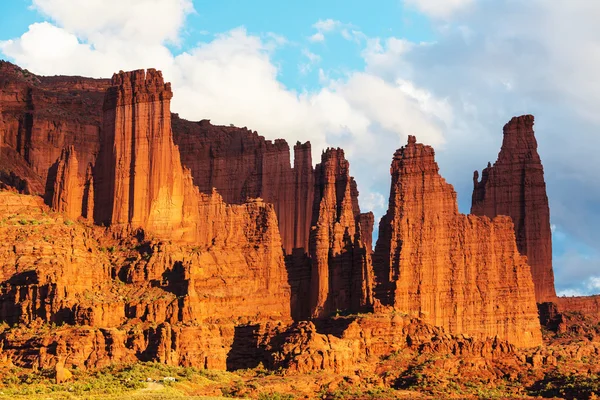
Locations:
(189, 267)
(515, 186)
(340, 344)
(139, 171)
(235, 268)
(71, 194)
(342, 277)
(461, 272)
(240, 164)
(44, 115)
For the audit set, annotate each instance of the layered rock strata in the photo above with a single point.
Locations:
(457, 271)
(138, 169)
(588, 305)
(515, 186)
(342, 276)
(235, 267)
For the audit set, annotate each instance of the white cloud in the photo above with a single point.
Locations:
(587, 287)
(49, 50)
(331, 26)
(441, 9)
(374, 201)
(150, 21)
(327, 25)
(313, 59)
(317, 37)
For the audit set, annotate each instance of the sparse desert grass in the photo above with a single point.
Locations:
(140, 381)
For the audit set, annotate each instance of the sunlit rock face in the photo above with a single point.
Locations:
(461, 272)
(515, 186)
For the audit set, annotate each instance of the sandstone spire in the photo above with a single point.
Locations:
(237, 268)
(139, 169)
(460, 272)
(515, 186)
(341, 265)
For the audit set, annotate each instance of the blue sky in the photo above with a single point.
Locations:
(362, 76)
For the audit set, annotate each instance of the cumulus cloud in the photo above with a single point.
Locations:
(317, 37)
(150, 21)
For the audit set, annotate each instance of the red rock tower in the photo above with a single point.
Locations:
(457, 271)
(342, 276)
(515, 186)
(139, 169)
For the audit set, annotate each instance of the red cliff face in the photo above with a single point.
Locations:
(515, 186)
(196, 266)
(140, 170)
(460, 272)
(71, 194)
(341, 263)
(44, 115)
(240, 164)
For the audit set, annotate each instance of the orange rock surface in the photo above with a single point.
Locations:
(45, 264)
(140, 169)
(240, 164)
(588, 305)
(340, 345)
(515, 186)
(342, 276)
(71, 194)
(457, 271)
(44, 115)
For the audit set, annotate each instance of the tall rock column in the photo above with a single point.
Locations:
(457, 271)
(515, 186)
(341, 265)
(139, 168)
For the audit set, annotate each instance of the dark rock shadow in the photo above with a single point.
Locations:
(298, 266)
(246, 351)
